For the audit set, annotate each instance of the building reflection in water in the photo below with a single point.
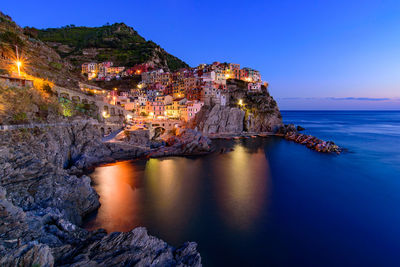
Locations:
(173, 186)
(117, 186)
(242, 186)
(174, 196)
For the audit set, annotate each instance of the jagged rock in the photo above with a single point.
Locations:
(42, 202)
(132, 248)
(299, 128)
(313, 142)
(186, 142)
(31, 254)
(287, 128)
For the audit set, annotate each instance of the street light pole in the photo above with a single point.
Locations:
(18, 62)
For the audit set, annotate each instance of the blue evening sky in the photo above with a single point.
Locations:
(315, 54)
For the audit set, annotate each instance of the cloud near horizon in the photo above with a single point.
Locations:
(339, 103)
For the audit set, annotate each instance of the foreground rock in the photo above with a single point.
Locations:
(186, 142)
(44, 196)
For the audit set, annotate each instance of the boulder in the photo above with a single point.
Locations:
(187, 142)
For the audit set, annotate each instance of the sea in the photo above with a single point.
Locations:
(270, 202)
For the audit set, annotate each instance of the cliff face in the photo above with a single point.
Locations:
(219, 120)
(43, 197)
(259, 113)
(262, 112)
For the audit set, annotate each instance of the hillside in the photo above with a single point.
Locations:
(117, 42)
(38, 59)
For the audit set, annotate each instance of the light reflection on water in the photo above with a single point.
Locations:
(116, 185)
(171, 191)
(242, 187)
(270, 202)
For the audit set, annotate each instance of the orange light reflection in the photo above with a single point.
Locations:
(117, 186)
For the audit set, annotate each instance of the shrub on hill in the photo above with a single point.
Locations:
(116, 42)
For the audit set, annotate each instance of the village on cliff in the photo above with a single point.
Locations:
(169, 96)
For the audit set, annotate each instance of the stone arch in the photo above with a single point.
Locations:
(102, 132)
(158, 131)
(85, 101)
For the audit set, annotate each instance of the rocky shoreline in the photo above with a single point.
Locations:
(186, 142)
(44, 196)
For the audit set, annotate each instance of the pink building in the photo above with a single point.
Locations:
(155, 108)
(192, 108)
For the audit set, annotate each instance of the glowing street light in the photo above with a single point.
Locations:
(240, 102)
(19, 63)
(105, 114)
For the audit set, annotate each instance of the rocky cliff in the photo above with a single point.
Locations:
(44, 196)
(220, 120)
(258, 112)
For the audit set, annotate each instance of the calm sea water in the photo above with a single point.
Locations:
(270, 201)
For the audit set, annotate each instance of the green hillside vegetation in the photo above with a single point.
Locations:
(116, 42)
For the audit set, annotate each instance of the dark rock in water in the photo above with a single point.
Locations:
(44, 196)
(187, 142)
(287, 128)
(299, 128)
(313, 142)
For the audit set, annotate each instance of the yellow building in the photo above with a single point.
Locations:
(174, 110)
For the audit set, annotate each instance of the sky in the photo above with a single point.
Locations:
(315, 54)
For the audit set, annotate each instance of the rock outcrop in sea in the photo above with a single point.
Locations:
(291, 133)
(186, 142)
(44, 196)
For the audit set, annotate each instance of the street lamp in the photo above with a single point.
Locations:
(19, 63)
